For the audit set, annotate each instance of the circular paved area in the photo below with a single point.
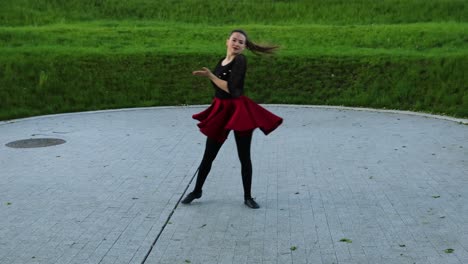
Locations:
(335, 186)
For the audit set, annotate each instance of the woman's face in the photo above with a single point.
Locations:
(236, 43)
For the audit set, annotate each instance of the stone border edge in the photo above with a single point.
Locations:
(403, 112)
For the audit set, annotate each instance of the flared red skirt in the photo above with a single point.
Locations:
(239, 114)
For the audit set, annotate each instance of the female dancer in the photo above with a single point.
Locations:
(231, 110)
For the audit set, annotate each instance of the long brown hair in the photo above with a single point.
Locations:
(256, 48)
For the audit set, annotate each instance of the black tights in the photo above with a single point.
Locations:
(243, 141)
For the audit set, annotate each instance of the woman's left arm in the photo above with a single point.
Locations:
(235, 83)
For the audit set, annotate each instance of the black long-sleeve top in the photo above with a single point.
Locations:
(234, 74)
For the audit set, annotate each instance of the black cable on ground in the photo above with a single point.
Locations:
(168, 218)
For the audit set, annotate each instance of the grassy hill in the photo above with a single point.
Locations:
(90, 54)
(222, 12)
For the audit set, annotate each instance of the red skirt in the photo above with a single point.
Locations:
(239, 114)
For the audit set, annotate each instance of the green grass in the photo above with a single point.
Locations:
(222, 12)
(420, 39)
(86, 55)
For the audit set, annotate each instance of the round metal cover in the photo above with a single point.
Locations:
(35, 143)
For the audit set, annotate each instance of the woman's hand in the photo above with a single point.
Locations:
(205, 72)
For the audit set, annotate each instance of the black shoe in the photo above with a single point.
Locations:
(190, 197)
(250, 202)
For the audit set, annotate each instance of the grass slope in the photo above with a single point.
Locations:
(85, 55)
(222, 12)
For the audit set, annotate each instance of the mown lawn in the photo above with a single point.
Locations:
(85, 55)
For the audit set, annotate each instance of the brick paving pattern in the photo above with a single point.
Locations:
(335, 186)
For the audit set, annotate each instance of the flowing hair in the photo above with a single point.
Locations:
(256, 48)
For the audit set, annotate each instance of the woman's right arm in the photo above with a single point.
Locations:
(235, 84)
(205, 72)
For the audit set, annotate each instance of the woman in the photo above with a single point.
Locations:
(230, 110)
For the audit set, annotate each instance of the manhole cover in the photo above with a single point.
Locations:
(35, 143)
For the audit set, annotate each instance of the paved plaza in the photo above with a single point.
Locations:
(335, 185)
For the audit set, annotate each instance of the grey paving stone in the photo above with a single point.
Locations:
(394, 184)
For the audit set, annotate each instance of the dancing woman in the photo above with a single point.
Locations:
(231, 110)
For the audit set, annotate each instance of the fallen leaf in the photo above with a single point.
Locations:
(346, 240)
(449, 250)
